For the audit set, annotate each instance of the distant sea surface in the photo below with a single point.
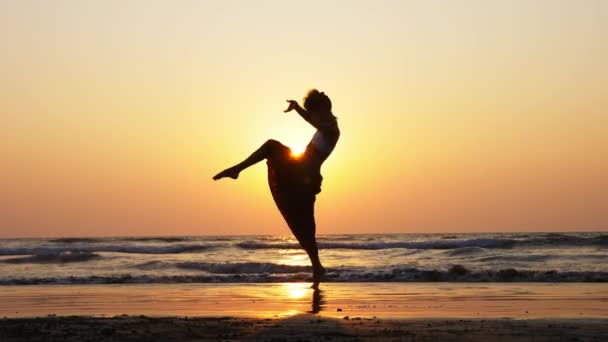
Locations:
(530, 257)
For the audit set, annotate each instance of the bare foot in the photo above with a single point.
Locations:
(229, 172)
(317, 276)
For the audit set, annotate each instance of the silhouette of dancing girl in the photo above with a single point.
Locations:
(295, 181)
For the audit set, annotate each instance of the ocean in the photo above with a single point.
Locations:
(489, 257)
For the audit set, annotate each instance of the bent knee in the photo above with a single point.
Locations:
(274, 146)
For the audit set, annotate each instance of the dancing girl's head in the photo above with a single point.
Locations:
(318, 103)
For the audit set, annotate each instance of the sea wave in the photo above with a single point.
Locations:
(176, 245)
(557, 239)
(465, 251)
(225, 268)
(543, 257)
(435, 244)
(472, 244)
(119, 248)
(243, 268)
(167, 239)
(59, 258)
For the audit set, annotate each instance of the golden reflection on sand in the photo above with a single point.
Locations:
(296, 290)
(268, 300)
(294, 298)
(288, 313)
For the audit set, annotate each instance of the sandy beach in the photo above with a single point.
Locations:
(298, 328)
(293, 311)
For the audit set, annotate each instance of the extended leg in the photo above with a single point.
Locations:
(263, 152)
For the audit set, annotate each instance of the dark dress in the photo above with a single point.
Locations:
(295, 182)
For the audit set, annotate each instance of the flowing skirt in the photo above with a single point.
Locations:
(294, 183)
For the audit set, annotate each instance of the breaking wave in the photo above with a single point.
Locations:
(58, 258)
(226, 268)
(463, 251)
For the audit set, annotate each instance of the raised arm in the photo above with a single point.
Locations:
(311, 119)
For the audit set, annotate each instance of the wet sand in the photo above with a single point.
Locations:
(269, 300)
(293, 311)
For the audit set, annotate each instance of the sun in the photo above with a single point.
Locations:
(297, 151)
(293, 133)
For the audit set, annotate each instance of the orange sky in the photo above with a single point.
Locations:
(456, 117)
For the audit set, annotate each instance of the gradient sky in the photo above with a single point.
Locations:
(456, 116)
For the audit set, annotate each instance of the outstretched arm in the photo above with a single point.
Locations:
(294, 105)
(316, 123)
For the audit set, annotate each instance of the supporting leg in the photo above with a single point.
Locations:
(310, 246)
(300, 218)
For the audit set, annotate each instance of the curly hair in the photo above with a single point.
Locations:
(316, 101)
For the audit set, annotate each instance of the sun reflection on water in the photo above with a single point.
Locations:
(294, 259)
(296, 290)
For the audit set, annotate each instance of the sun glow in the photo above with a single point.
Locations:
(292, 132)
(298, 151)
(462, 111)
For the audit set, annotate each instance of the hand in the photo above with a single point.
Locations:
(292, 105)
